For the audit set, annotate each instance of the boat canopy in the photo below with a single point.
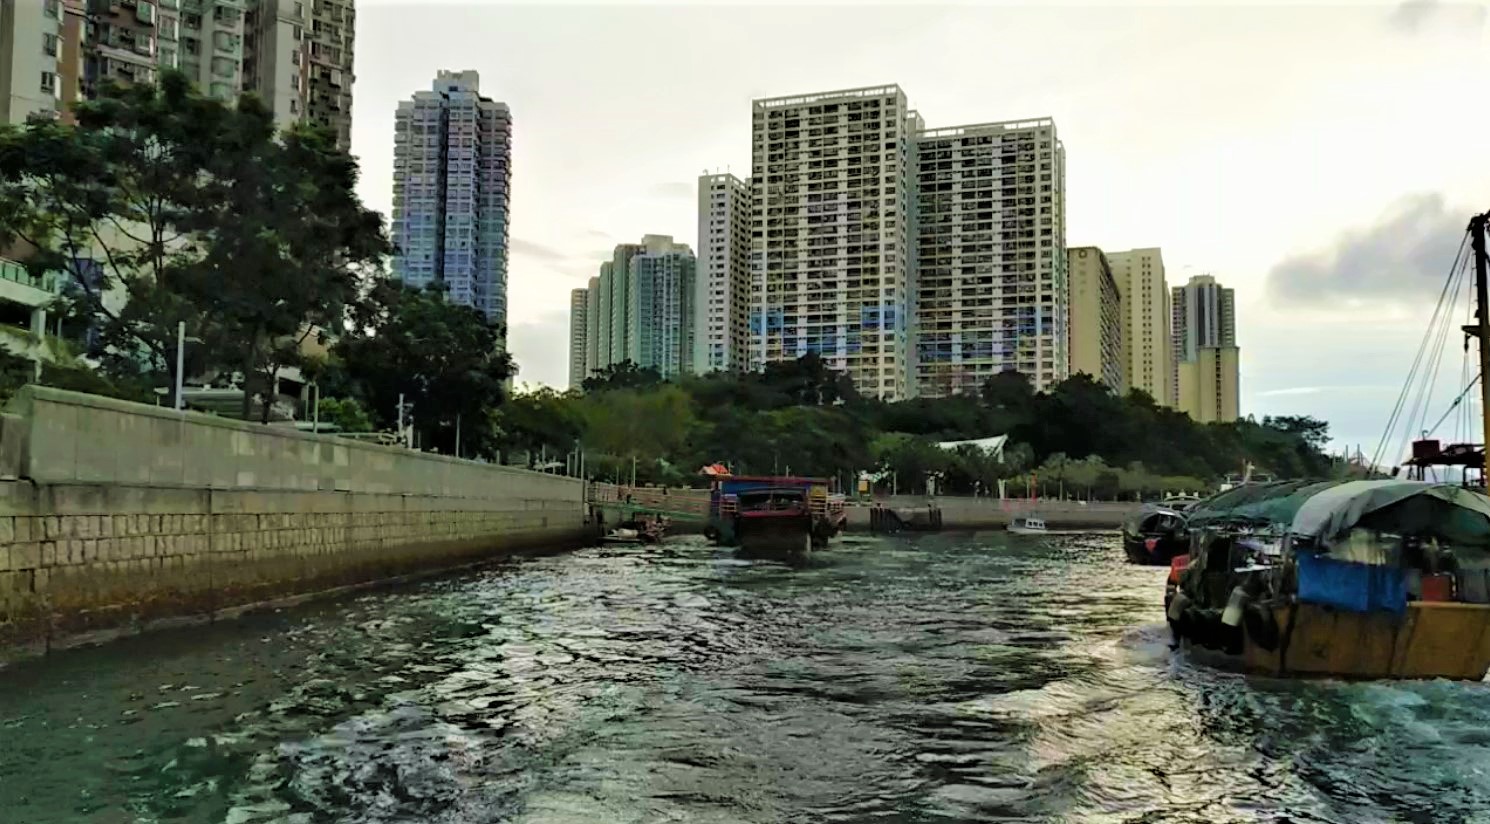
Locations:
(1325, 512)
(1449, 513)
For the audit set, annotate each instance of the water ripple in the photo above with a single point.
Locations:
(940, 679)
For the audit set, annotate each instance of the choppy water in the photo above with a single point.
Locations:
(942, 679)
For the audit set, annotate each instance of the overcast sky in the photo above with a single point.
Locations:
(1322, 159)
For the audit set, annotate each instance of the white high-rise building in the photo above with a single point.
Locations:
(721, 304)
(992, 293)
(299, 58)
(451, 192)
(30, 47)
(916, 260)
(831, 234)
(579, 302)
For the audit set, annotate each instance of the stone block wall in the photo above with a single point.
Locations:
(91, 544)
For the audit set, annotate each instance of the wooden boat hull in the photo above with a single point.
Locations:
(785, 538)
(1431, 640)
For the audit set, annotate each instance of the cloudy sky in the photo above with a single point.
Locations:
(1322, 159)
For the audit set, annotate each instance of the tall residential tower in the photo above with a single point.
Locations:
(452, 161)
(1147, 348)
(639, 309)
(1206, 357)
(918, 261)
(831, 238)
(579, 301)
(721, 303)
(990, 264)
(1096, 319)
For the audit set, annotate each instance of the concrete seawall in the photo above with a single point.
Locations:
(116, 517)
(992, 513)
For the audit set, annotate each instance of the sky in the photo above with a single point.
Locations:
(1321, 159)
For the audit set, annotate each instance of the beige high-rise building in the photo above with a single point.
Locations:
(1204, 350)
(1208, 384)
(831, 234)
(722, 305)
(1147, 346)
(1096, 319)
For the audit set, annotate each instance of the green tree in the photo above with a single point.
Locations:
(623, 375)
(346, 414)
(537, 421)
(444, 359)
(163, 206)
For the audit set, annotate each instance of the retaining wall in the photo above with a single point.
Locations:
(993, 513)
(115, 517)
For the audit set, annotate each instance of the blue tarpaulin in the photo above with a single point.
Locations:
(1350, 586)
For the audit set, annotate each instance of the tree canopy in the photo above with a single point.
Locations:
(163, 206)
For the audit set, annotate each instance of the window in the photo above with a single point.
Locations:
(49, 82)
(49, 8)
(49, 44)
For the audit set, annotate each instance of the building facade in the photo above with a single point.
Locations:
(1096, 321)
(579, 305)
(295, 54)
(1208, 385)
(641, 308)
(452, 192)
(917, 261)
(592, 326)
(660, 326)
(992, 293)
(721, 302)
(298, 58)
(30, 53)
(831, 234)
(1204, 350)
(1147, 346)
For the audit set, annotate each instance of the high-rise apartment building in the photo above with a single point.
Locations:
(299, 58)
(592, 326)
(640, 308)
(1096, 319)
(990, 266)
(831, 240)
(721, 304)
(1204, 350)
(1147, 347)
(30, 53)
(451, 192)
(660, 334)
(615, 283)
(918, 261)
(579, 303)
(296, 54)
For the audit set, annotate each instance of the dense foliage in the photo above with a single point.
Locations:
(162, 206)
(801, 417)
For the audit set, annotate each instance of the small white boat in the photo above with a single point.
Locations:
(1029, 525)
(623, 536)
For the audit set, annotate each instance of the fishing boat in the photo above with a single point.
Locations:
(1362, 579)
(772, 516)
(1383, 578)
(1155, 535)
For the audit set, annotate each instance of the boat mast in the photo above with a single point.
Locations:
(1482, 313)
